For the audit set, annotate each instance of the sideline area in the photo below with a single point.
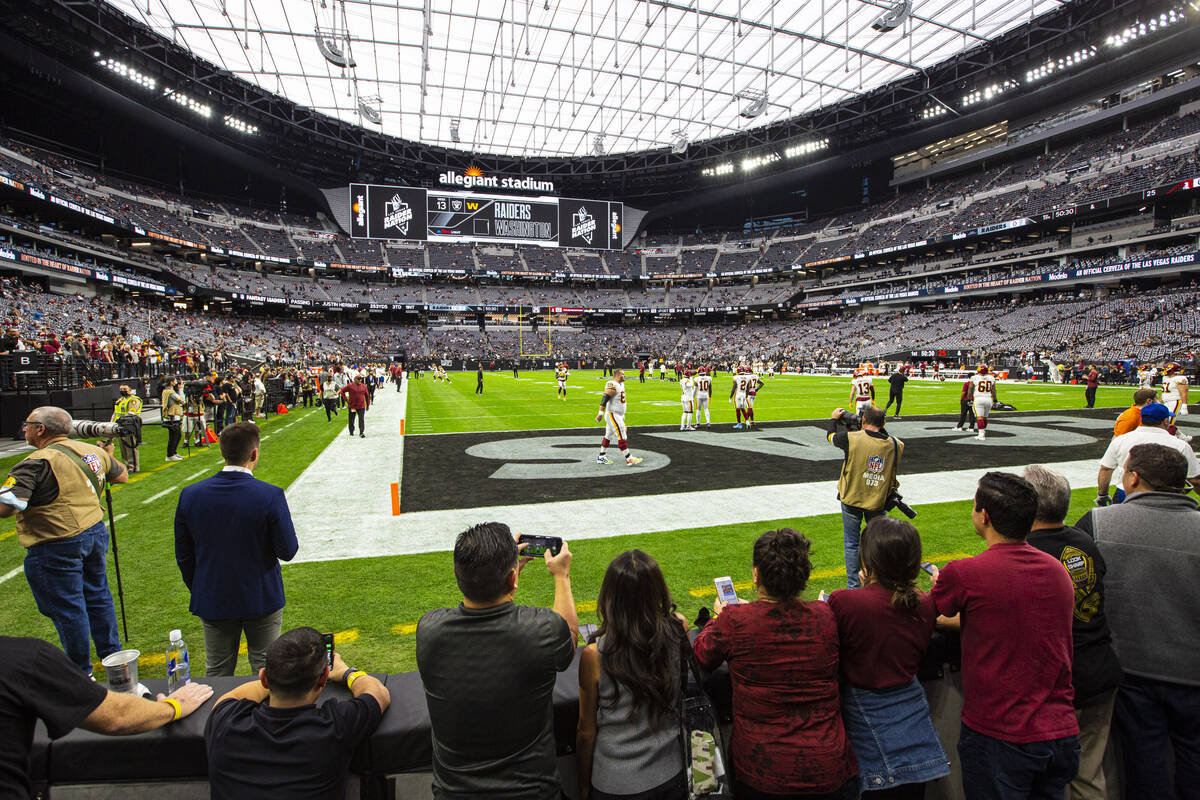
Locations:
(344, 498)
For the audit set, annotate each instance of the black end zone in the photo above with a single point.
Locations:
(470, 470)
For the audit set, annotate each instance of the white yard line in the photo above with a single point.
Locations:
(350, 474)
(197, 475)
(163, 493)
(11, 574)
(370, 533)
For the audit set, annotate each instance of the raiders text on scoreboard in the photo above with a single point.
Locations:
(406, 212)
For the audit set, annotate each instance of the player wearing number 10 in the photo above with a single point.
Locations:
(612, 412)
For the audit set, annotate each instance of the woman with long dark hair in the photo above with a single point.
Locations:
(884, 629)
(788, 740)
(628, 742)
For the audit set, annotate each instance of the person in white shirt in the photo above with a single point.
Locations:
(260, 395)
(1175, 396)
(703, 390)
(1156, 418)
(982, 395)
(612, 413)
(687, 400)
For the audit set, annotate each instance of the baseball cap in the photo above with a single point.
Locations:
(1154, 413)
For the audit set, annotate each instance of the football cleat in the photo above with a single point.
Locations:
(632, 461)
(980, 436)
(737, 427)
(603, 460)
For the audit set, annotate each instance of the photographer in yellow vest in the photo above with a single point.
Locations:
(55, 494)
(128, 403)
(868, 476)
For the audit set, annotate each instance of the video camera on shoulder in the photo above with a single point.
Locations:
(198, 390)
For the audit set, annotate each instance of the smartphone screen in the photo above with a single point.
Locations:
(725, 590)
(538, 546)
(823, 597)
(327, 639)
(927, 566)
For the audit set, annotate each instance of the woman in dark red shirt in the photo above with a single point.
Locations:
(788, 739)
(884, 629)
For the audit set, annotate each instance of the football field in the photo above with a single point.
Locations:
(376, 517)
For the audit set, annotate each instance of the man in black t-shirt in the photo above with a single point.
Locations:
(269, 739)
(489, 667)
(38, 681)
(1095, 672)
(896, 383)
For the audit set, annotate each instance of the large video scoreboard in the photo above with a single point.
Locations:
(405, 212)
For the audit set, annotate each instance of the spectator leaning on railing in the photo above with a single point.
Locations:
(269, 738)
(1094, 671)
(489, 667)
(1014, 603)
(39, 682)
(1151, 544)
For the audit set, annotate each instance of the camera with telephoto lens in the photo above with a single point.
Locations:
(894, 500)
(851, 421)
(195, 391)
(87, 429)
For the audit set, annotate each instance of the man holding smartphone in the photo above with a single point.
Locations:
(489, 667)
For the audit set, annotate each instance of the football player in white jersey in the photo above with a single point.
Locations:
(982, 395)
(1146, 376)
(753, 384)
(560, 375)
(703, 390)
(1175, 396)
(612, 413)
(687, 400)
(862, 391)
(737, 394)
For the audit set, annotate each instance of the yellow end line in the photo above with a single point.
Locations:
(710, 591)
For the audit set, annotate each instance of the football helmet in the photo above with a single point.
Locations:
(983, 369)
(1173, 367)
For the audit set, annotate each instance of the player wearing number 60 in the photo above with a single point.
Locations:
(612, 412)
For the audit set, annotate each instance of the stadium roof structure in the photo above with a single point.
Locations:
(575, 78)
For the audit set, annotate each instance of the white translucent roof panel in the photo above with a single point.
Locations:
(547, 77)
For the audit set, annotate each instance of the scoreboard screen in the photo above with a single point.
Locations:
(404, 212)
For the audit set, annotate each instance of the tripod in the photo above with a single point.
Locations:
(112, 533)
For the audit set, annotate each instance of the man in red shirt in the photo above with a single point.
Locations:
(358, 400)
(1015, 606)
(1093, 380)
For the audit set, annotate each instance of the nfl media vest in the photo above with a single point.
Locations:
(869, 471)
(76, 508)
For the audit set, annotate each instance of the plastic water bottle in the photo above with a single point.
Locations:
(179, 670)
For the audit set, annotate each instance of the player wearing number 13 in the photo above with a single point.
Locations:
(612, 413)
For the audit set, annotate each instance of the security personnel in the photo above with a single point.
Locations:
(872, 459)
(129, 403)
(55, 495)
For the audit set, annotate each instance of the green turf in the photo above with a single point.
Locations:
(529, 403)
(374, 604)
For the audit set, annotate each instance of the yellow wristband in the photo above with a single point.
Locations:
(173, 703)
(352, 677)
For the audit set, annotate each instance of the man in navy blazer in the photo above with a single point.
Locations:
(231, 530)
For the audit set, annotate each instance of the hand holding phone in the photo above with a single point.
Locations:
(928, 567)
(327, 640)
(725, 591)
(538, 546)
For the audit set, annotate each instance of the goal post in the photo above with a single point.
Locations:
(535, 343)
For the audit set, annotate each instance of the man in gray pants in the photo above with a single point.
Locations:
(1151, 543)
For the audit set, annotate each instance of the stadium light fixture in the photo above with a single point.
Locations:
(127, 72)
(754, 162)
(455, 135)
(1058, 64)
(797, 150)
(240, 126)
(1152, 25)
(188, 103)
(933, 112)
(987, 93)
(757, 103)
(720, 169)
